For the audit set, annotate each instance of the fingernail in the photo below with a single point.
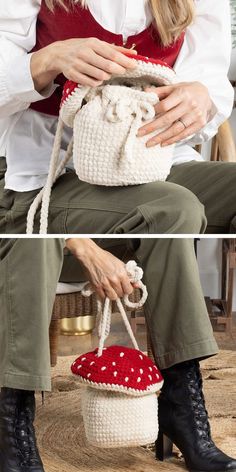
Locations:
(150, 144)
(141, 132)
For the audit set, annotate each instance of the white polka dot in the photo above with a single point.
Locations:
(91, 363)
(126, 379)
(115, 374)
(157, 376)
(103, 368)
(150, 377)
(141, 371)
(89, 375)
(79, 367)
(132, 370)
(141, 357)
(113, 363)
(155, 367)
(68, 90)
(150, 369)
(83, 359)
(139, 379)
(122, 354)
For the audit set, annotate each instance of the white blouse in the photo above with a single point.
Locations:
(26, 136)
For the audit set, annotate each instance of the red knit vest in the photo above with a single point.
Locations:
(80, 23)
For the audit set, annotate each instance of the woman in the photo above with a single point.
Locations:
(178, 323)
(192, 36)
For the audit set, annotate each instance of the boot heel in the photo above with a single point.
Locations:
(164, 447)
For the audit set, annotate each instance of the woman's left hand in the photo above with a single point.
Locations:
(183, 110)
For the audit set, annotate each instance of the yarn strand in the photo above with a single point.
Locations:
(126, 322)
(52, 177)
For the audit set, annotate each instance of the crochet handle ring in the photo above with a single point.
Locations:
(135, 274)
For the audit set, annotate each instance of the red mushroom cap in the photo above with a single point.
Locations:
(148, 60)
(71, 86)
(119, 369)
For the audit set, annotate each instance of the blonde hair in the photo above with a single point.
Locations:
(171, 16)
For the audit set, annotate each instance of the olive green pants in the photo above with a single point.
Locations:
(30, 268)
(195, 193)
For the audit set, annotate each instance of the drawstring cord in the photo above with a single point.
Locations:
(135, 274)
(119, 108)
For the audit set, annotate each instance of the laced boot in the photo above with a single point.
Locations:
(183, 420)
(18, 447)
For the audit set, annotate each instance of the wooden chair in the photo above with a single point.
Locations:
(222, 145)
(221, 309)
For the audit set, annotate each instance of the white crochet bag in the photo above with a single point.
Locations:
(105, 121)
(120, 385)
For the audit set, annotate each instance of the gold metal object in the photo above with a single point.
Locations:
(78, 326)
(132, 47)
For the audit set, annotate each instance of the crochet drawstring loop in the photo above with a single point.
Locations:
(135, 275)
(119, 104)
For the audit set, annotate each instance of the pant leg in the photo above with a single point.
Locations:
(214, 184)
(78, 208)
(30, 269)
(175, 310)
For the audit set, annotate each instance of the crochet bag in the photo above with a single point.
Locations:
(119, 400)
(105, 120)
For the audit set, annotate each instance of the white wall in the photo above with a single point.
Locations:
(209, 262)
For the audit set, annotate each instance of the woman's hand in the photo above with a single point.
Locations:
(87, 61)
(106, 273)
(184, 109)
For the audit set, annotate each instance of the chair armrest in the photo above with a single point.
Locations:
(225, 140)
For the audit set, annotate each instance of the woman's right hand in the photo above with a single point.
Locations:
(87, 61)
(106, 273)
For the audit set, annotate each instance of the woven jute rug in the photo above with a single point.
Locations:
(61, 435)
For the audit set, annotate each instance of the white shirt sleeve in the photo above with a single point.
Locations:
(205, 57)
(17, 38)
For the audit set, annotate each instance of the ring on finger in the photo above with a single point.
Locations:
(183, 123)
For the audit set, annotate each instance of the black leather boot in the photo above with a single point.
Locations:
(18, 448)
(183, 420)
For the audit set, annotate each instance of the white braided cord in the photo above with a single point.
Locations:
(48, 188)
(45, 193)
